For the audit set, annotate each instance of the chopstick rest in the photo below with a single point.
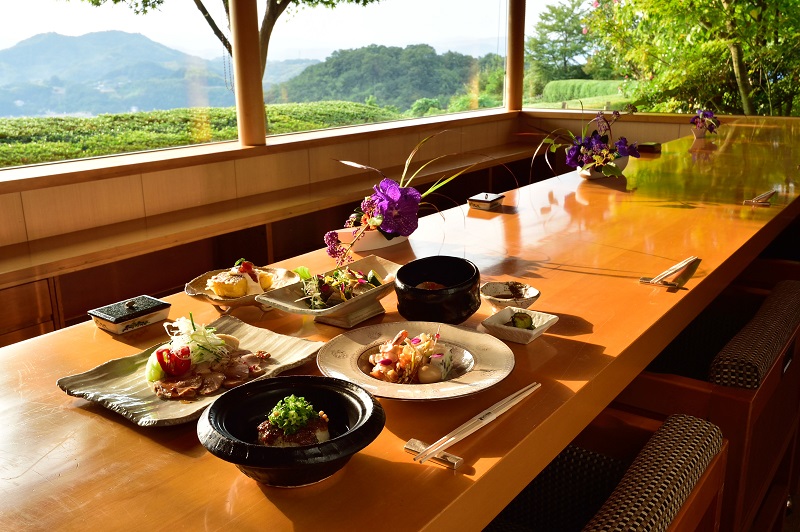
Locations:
(762, 200)
(480, 420)
(688, 264)
(415, 446)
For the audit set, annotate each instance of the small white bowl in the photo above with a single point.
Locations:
(496, 325)
(502, 294)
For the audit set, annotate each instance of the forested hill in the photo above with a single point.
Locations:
(389, 76)
(113, 72)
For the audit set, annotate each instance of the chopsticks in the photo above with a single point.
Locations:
(672, 270)
(477, 422)
(762, 200)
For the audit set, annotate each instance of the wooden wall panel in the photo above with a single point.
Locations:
(24, 306)
(183, 188)
(68, 208)
(12, 230)
(323, 159)
(269, 173)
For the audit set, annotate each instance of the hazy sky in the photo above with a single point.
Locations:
(303, 34)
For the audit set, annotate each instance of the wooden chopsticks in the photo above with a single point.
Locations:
(477, 422)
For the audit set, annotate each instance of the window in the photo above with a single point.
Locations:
(80, 81)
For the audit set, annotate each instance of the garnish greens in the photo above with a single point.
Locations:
(292, 413)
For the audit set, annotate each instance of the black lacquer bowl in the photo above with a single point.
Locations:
(458, 300)
(228, 428)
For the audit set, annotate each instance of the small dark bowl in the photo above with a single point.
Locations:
(453, 304)
(228, 428)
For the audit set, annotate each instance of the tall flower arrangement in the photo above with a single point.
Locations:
(596, 150)
(392, 208)
(705, 120)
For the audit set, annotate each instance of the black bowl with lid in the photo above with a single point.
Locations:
(440, 288)
(229, 428)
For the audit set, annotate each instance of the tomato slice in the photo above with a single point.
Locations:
(174, 363)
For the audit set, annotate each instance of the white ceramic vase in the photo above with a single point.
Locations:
(591, 173)
(369, 240)
(699, 133)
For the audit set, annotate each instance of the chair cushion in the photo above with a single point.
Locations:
(746, 359)
(565, 495)
(661, 477)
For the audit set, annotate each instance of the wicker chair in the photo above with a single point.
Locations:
(733, 366)
(612, 477)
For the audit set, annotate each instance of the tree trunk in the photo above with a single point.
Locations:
(742, 80)
(275, 9)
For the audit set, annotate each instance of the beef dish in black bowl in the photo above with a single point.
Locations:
(229, 428)
(440, 288)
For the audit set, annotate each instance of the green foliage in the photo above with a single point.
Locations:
(37, 140)
(574, 89)
(734, 57)
(557, 48)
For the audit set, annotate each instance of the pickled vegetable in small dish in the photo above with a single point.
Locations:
(518, 325)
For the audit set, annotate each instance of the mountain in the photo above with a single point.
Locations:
(114, 72)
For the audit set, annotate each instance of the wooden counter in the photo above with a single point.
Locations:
(68, 464)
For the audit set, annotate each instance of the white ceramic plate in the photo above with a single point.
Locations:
(120, 385)
(197, 288)
(346, 314)
(480, 360)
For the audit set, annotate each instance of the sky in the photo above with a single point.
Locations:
(304, 34)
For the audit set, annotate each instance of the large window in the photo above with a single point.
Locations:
(664, 55)
(78, 80)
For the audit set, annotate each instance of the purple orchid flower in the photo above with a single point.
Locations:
(398, 206)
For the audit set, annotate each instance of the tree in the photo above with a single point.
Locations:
(734, 55)
(274, 9)
(558, 47)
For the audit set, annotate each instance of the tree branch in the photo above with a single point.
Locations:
(213, 25)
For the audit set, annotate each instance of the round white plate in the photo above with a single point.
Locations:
(480, 360)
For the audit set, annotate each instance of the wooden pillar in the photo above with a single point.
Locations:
(515, 63)
(247, 73)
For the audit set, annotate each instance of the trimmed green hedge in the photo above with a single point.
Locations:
(40, 140)
(574, 89)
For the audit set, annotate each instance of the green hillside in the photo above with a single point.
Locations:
(39, 140)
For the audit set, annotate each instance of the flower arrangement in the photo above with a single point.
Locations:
(597, 150)
(392, 208)
(705, 120)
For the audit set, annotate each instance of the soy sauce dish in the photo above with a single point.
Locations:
(228, 428)
(440, 288)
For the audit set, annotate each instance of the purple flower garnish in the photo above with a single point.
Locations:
(415, 340)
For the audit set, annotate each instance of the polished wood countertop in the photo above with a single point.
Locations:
(68, 464)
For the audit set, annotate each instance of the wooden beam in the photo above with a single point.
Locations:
(247, 73)
(515, 65)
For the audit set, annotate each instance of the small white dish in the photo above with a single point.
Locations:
(497, 325)
(502, 294)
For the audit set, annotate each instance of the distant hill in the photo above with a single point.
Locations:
(114, 72)
(391, 76)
